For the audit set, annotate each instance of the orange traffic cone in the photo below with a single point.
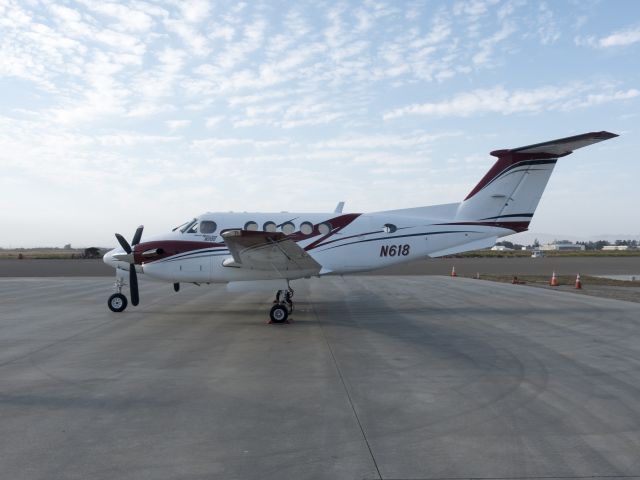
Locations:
(578, 282)
(554, 280)
(453, 272)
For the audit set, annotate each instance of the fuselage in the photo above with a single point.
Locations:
(340, 243)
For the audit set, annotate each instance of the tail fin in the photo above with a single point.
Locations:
(508, 194)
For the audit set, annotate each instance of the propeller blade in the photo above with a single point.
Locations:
(137, 236)
(133, 285)
(123, 243)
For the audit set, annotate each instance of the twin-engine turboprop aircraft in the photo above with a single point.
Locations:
(264, 251)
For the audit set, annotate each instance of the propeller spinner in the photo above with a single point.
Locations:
(128, 257)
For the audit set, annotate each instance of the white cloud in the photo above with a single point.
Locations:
(190, 36)
(472, 8)
(236, 52)
(389, 141)
(128, 140)
(211, 122)
(195, 11)
(177, 124)
(210, 144)
(593, 99)
(500, 100)
(547, 28)
(620, 38)
(126, 18)
(149, 108)
(496, 100)
(237, 100)
(487, 45)
(66, 14)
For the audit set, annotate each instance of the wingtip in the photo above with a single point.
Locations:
(606, 135)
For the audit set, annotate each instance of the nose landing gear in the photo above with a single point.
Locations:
(117, 302)
(283, 306)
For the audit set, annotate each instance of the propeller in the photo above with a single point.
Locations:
(133, 276)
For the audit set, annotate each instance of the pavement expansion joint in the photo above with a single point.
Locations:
(346, 390)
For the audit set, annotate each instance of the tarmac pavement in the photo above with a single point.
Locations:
(376, 377)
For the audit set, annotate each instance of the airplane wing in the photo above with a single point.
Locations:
(559, 147)
(267, 251)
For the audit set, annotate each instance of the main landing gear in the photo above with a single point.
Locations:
(283, 306)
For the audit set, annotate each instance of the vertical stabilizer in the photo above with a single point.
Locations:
(507, 196)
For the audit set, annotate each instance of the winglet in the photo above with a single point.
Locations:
(339, 207)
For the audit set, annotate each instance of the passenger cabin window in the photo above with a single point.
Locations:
(324, 228)
(251, 226)
(269, 226)
(306, 228)
(208, 226)
(288, 228)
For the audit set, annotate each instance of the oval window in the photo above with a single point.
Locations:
(208, 226)
(288, 228)
(306, 228)
(253, 226)
(389, 228)
(269, 226)
(324, 228)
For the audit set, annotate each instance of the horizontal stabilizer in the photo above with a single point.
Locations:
(556, 148)
(466, 247)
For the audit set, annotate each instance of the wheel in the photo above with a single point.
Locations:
(117, 302)
(278, 314)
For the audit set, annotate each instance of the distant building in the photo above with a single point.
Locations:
(501, 248)
(615, 247)
(562, 247)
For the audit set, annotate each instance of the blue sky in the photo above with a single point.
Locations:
(117, 114)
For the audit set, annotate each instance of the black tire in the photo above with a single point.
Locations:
(117, 302)
(278, 314)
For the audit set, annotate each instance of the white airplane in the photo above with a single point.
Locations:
(264, 251)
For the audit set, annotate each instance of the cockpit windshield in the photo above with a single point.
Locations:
(189, 227)
(179, 227)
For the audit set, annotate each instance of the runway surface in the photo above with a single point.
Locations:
(377, 377)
